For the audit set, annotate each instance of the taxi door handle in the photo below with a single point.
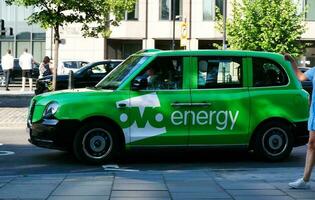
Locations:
(177, 104)
(201, 104)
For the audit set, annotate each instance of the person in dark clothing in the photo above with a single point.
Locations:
(44, 68)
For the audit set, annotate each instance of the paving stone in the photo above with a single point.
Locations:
(137, 176)
(140, 194)
(74, 178)
(263, 198)
(83, 190)
(34, 191)
(13, 117)
(139, 198)
(195, 188)
(256, 192)
(246, 185)
(36, 181)
(87, 183)
(302, 194)
(90, 197)
(138, 181)
(6, 179)
(200, 195)
(137, 186)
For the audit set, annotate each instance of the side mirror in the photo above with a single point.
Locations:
(139, 83)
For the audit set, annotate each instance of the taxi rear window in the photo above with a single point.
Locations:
(219, 72)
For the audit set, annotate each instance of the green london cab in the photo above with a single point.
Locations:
(204, 98)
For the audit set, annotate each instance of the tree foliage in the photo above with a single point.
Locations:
(94, 15)
(265, 25)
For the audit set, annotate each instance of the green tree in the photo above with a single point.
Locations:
(265, 25)
(93, 15)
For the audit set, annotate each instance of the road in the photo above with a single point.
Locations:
(28, 159)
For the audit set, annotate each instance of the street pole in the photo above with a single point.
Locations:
(173, 16)
(224, 23)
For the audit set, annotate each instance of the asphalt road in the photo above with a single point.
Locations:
(28, 159)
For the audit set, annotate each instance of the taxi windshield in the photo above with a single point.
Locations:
(120, 73)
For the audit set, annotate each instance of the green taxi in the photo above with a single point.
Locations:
(204, 98)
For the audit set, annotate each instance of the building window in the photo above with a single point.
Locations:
(209, 7)
(166, 9)
(134, 14)
(310, 5)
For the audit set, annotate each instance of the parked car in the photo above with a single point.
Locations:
(307, 85)
(173, 99)
(87, 76)
(17, 71)
(65, 66)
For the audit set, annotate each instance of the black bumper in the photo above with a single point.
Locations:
(53, 134)
(301, 134)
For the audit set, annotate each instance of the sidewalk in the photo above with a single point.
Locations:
(242, 184)
(14, 107)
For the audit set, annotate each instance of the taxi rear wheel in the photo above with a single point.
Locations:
(95, 143)
(273, 141)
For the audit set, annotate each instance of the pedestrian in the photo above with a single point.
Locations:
(7, 67)
(44, 68)
(303, 183)
(26, 62)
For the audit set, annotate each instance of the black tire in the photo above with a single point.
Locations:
(273, 141)
(96, 143)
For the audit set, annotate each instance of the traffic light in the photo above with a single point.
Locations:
(2, 28)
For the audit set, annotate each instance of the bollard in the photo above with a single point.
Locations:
(71, 80)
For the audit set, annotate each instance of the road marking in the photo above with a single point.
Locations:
(6, 153)
(116, 168)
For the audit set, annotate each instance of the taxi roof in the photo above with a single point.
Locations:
(212, 52)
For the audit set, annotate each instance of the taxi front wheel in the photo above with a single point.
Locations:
(95, 143)
(273, 141)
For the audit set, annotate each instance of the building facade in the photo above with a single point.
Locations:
(150, 25)
(18, 35)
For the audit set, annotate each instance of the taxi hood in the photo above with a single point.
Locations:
(64, 96)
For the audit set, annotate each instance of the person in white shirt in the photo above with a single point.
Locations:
(26, 62)
(7, 66)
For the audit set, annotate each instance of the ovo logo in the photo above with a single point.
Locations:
(144, 120)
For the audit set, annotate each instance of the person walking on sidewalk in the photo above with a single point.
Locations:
(7, 66)
(26, 62)
(303, 183)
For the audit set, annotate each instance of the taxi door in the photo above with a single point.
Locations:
(153, 107)
(220, 101)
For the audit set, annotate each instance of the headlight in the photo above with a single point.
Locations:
(50, 110)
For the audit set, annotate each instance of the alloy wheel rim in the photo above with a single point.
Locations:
(97, 143)
(275, 141)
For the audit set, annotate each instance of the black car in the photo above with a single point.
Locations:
(307, 85)
(87, 76)
(17, 70)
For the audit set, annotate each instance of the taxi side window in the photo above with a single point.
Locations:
(99, 69)
(219, 72)
(164, 73)
(268, 73)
